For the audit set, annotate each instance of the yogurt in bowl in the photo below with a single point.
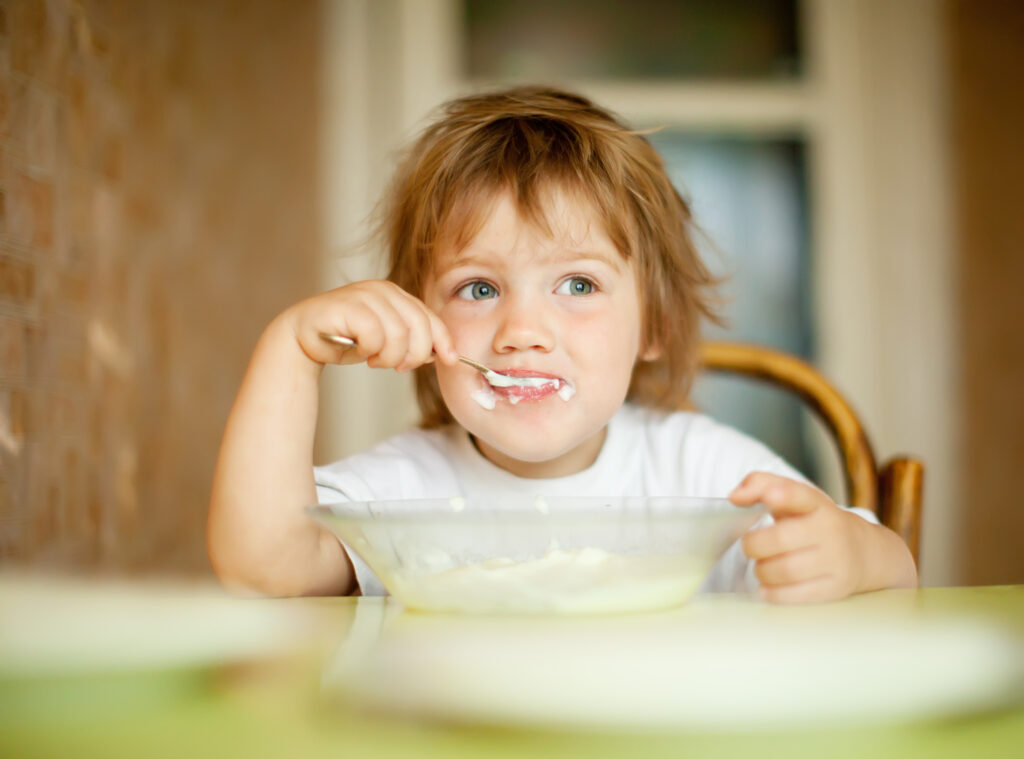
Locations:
(507, 554)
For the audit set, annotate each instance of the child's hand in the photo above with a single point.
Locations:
(817, 551)
(392, 329)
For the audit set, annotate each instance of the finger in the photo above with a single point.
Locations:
(444, 345)
(395, 336)
(753, 487)
(782, 496)
(366, 328)
(818, 590)
(776, 539)
(790, 568)
(421, 343)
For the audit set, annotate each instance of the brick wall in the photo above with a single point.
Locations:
(158, 204)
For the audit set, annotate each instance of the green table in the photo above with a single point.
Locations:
(270, 703)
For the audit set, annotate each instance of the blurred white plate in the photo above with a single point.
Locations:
(64, 626)
(720, 663)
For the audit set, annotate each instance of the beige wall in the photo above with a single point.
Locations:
(158, 204)
(987, 56)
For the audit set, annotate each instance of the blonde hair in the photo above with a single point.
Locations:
(527, 141)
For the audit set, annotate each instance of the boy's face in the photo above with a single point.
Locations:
(523, 303)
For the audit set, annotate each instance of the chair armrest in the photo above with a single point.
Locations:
(899, 498)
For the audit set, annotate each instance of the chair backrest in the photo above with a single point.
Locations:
(893, 492)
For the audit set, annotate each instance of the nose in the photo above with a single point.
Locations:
(524, 324)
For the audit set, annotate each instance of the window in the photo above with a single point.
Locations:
(749, 198)
(649, 39)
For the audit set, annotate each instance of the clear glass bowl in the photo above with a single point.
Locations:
(540, 554)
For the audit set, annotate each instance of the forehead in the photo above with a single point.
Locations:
(561, 224)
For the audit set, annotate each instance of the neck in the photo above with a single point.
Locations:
(575, 460)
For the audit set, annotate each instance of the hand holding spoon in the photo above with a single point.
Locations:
(495, 379)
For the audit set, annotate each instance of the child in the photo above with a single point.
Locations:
(531, 231)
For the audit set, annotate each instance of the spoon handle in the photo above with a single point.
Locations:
(348, 342)
(475, 364)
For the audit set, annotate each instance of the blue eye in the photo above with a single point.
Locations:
(478, 290)
(576, 286)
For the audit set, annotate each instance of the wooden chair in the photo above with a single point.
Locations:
(892, 492)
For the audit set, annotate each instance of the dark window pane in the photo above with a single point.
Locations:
(652, 39)
(749, 198)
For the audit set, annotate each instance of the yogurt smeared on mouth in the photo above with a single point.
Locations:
(485, 397)
(514, 389)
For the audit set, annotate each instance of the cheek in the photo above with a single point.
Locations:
(457, 390)
(464, 327)
(609, 335)
(455, 383)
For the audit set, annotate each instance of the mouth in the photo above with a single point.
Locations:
(540, 386)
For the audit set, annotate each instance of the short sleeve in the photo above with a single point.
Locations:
(409, 465)
(334, 486)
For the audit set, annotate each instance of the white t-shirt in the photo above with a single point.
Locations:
(647, 452)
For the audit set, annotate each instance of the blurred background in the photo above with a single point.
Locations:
(172, 175)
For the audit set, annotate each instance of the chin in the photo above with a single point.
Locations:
(529, 442)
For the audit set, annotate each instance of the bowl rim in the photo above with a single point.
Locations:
(429, 511)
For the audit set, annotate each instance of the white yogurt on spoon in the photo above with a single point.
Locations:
(497, 379)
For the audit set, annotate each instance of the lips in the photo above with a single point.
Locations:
(516, 395)
(528, 373)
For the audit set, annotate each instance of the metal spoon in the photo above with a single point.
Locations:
(495, 379)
